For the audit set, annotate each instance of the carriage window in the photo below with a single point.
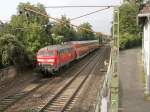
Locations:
(68, 50)
(64, 50)
(60, 52)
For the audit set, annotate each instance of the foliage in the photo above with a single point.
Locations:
(129, 40)
(99, 35)
(12, 52)
(64, 29)
(34, 34)
(134, 1)
(4, 28)
(129, 30)
(28, 31)
(85, 34)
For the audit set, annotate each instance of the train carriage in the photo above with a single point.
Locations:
(84, 47)
(51, 58)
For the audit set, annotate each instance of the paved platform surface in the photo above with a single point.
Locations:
(131, 89)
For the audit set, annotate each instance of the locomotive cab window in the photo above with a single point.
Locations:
(45, 53)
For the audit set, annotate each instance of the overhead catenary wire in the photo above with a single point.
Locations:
(89, 13)
(58, 20)
(81, 6)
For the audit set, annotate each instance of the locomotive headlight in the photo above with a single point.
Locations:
(40, 60)
(50, 60)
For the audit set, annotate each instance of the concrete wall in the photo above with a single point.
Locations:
(146, 55)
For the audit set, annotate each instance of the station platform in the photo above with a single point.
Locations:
(131, 87)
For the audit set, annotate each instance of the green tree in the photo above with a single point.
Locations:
(63, 28)
(85, 34)
(99, 36)
(34, 32)
(1, 27)
(12, 52)
(4, 28)
(129, 30)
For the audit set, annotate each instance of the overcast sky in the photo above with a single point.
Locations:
(100, 21)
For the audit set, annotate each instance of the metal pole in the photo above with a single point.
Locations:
(114, 97)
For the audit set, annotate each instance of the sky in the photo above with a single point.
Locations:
(100, 21)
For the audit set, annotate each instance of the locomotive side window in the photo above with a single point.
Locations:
(62, 51)
(67, 50)
(59, 52)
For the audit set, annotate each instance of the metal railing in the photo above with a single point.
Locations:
(104, 89)
(108, 97)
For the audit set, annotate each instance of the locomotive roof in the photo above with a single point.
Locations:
(66, 45)
(58, 46)
(83, 42)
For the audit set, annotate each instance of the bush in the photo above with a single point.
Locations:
(129, 30)
(129, 40)
(13, 52)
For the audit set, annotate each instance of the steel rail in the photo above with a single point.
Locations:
(83, 82)
(12, 99)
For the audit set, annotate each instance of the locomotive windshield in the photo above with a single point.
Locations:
(45, 53)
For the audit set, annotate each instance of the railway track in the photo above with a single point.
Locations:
(67, 94)
(87, 98)
(59, 101)
(12, 99)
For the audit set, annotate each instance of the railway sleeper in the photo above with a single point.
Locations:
(58, 102)
(54, 108)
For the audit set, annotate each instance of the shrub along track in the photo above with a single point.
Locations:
(43, 90)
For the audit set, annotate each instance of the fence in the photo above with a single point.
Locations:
(104, 90)
(108, 98)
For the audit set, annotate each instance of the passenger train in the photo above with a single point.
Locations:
(51, 58)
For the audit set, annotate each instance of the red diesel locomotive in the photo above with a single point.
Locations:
(51, 58)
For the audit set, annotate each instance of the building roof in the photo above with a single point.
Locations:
(144, 14)
(145, 9)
